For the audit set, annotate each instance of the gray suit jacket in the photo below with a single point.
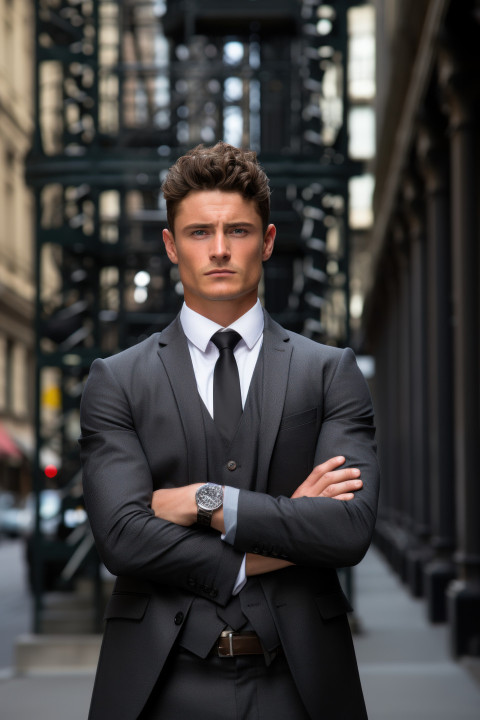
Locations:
(141, 421)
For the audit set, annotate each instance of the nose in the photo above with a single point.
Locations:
(219, 246)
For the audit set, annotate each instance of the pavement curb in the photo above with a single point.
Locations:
(46, 654)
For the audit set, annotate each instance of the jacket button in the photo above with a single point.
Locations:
(231, 465)
(179, 617)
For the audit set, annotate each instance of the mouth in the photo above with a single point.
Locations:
(220, 272)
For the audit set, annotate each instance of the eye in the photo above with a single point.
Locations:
(199, 233)
(239, 231)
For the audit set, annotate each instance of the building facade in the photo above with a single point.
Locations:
(17, 289)
(421, 319)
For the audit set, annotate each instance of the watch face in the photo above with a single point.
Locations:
(210, 496)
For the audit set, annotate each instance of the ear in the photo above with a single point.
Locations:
(268, 242)
(170, 246)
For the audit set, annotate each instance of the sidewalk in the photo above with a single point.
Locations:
(63, 696)
(406, 670)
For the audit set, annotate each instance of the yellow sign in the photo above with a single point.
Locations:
(52, 397)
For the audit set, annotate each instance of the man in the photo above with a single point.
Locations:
(227, 603)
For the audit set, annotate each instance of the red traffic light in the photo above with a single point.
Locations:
(51, 471)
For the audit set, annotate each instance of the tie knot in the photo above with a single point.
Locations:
(226, 339)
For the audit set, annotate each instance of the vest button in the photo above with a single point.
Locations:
(178, 619)
(231, 465)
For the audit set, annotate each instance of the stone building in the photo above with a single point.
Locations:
(421, 319)
(17, 290)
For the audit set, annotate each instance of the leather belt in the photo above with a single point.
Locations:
(232, 643)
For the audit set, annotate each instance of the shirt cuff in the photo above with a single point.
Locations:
(230, 508)
(241, 577)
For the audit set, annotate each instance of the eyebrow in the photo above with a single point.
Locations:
(200, 225)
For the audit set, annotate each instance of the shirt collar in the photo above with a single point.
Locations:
(200, 329)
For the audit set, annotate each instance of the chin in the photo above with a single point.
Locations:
(223, 294)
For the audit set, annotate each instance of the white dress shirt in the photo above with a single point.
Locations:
(204, 353)
(198, 330)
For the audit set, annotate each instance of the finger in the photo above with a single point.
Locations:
(330, 464)
(338, 488)
(344, 497)
(320, 470)
(334, 477)
(343, 474)
(315, 484)
(329, 489)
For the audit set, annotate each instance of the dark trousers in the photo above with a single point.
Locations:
(238, 688)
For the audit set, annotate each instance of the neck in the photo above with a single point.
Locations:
(223, 313)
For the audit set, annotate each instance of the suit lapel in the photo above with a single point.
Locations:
(175, 356)
(277, 352)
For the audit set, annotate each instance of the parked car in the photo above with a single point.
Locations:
(50, 512)
(13, 515)
(63, 526)
(17, 519)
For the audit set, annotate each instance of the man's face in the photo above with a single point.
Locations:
(219, 246)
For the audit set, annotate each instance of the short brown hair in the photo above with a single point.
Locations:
(222, 167)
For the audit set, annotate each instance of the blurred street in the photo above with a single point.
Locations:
(15, 599)
(406, 669)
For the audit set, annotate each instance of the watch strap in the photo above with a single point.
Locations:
(204, 517)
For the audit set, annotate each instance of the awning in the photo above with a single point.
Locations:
(8, 447)
(24, 442)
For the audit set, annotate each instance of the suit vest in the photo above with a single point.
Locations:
(235, 464)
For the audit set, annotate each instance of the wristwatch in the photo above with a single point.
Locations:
(209, 497)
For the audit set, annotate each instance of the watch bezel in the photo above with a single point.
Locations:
(208, 501)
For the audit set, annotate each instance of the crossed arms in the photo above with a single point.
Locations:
(324, 523)
(177, 505)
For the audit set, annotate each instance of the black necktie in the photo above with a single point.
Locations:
(227, 398)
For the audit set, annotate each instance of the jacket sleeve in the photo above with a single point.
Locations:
(118, 489)
(321, 532)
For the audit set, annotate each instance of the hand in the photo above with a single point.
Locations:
(325, 481)
(176, 505)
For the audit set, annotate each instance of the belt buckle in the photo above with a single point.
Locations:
(228, 634)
